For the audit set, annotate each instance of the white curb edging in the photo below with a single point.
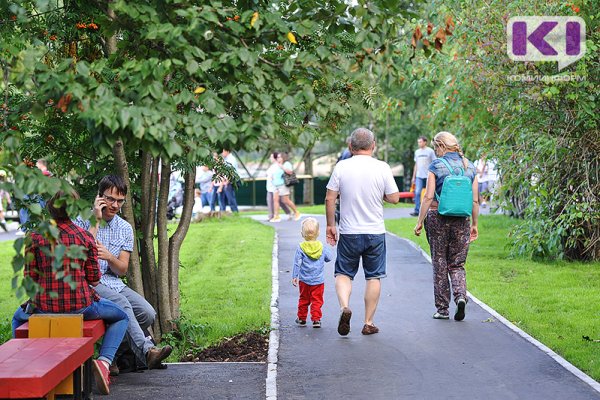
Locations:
(271, 381)
(564, 363)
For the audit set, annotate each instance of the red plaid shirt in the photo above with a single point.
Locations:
(40, 270)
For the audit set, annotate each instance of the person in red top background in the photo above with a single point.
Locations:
(67, 287)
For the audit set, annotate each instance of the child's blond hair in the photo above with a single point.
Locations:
(310, 229)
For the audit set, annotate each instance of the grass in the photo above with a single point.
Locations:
(225, 282)
(320, 209)
(8, 300)
(555, 302)
(225, 279)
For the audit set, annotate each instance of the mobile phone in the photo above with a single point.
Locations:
(102, 196)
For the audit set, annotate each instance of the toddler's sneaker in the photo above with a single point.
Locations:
(300, 322)
(316, 324)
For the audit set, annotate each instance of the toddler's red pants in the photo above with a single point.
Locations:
(310, 295)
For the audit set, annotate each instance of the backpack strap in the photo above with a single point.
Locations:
(462, 171)
(447, 164)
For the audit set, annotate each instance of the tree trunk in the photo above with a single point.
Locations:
(134, 274)
(149, 180)
(309, 187)
(164, 303)
(176, 241)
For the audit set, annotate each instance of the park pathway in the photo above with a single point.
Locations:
(413, 356)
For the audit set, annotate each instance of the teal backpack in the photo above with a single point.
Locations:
(457, 194)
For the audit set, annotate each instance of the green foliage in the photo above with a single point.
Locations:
(178, 80)
(543, 133)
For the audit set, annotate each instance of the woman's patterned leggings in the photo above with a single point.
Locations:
(448, 239)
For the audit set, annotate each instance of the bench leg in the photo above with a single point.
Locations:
(77, 384)
(87, 379)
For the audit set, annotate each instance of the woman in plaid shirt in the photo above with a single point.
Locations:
(57, 295)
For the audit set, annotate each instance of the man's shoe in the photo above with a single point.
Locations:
(344, 323)
(460, 309)
(300, 322)
(437, 315)
(369, 329)
(316, 324)
(155, 355)
(114, 369)
(102, 376)
(414, 214)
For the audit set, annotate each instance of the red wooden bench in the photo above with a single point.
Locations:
(32, 368)
(407, 195)
(93, 329)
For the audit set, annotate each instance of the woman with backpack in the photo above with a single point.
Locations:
(451, 197)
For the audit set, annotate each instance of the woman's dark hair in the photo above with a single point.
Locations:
(60, 213)
(112, 181)
(423, 138)
(275, 155)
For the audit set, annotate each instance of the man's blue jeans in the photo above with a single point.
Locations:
(420, 184)
(114, 316)
(207, 199)
(230, 195)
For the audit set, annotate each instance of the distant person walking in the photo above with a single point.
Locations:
(309, 273)
(274, 169)
(346, 153)
(424, 156)
(227, 188)
(4, 195)
(448, 236)
(363, 183)
(284, 191)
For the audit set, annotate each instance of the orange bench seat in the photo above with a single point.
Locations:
(91, 329)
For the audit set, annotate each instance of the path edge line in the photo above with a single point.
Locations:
(271, 380)
(564, 363)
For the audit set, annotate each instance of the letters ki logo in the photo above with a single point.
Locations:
(559, 39)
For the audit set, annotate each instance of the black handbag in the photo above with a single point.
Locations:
(290, 179)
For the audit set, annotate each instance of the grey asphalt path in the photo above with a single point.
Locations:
(413, 356)
(193, 381)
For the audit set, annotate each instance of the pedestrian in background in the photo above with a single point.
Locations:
(424, 156)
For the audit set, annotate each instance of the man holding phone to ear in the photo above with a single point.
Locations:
(114, 240)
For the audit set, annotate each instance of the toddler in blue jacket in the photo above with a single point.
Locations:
(308, 273)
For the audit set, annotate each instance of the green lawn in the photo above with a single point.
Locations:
(225, 281)
(225, 278)
(320, 209)
(555, 302)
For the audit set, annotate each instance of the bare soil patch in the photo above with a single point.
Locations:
(246, 347)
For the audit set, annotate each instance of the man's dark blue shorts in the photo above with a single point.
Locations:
(351, 248)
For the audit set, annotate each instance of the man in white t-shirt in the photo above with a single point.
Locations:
(362, 183)
(423, 157)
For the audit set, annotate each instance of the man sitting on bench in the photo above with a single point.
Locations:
(114, 238)
(56, 295)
